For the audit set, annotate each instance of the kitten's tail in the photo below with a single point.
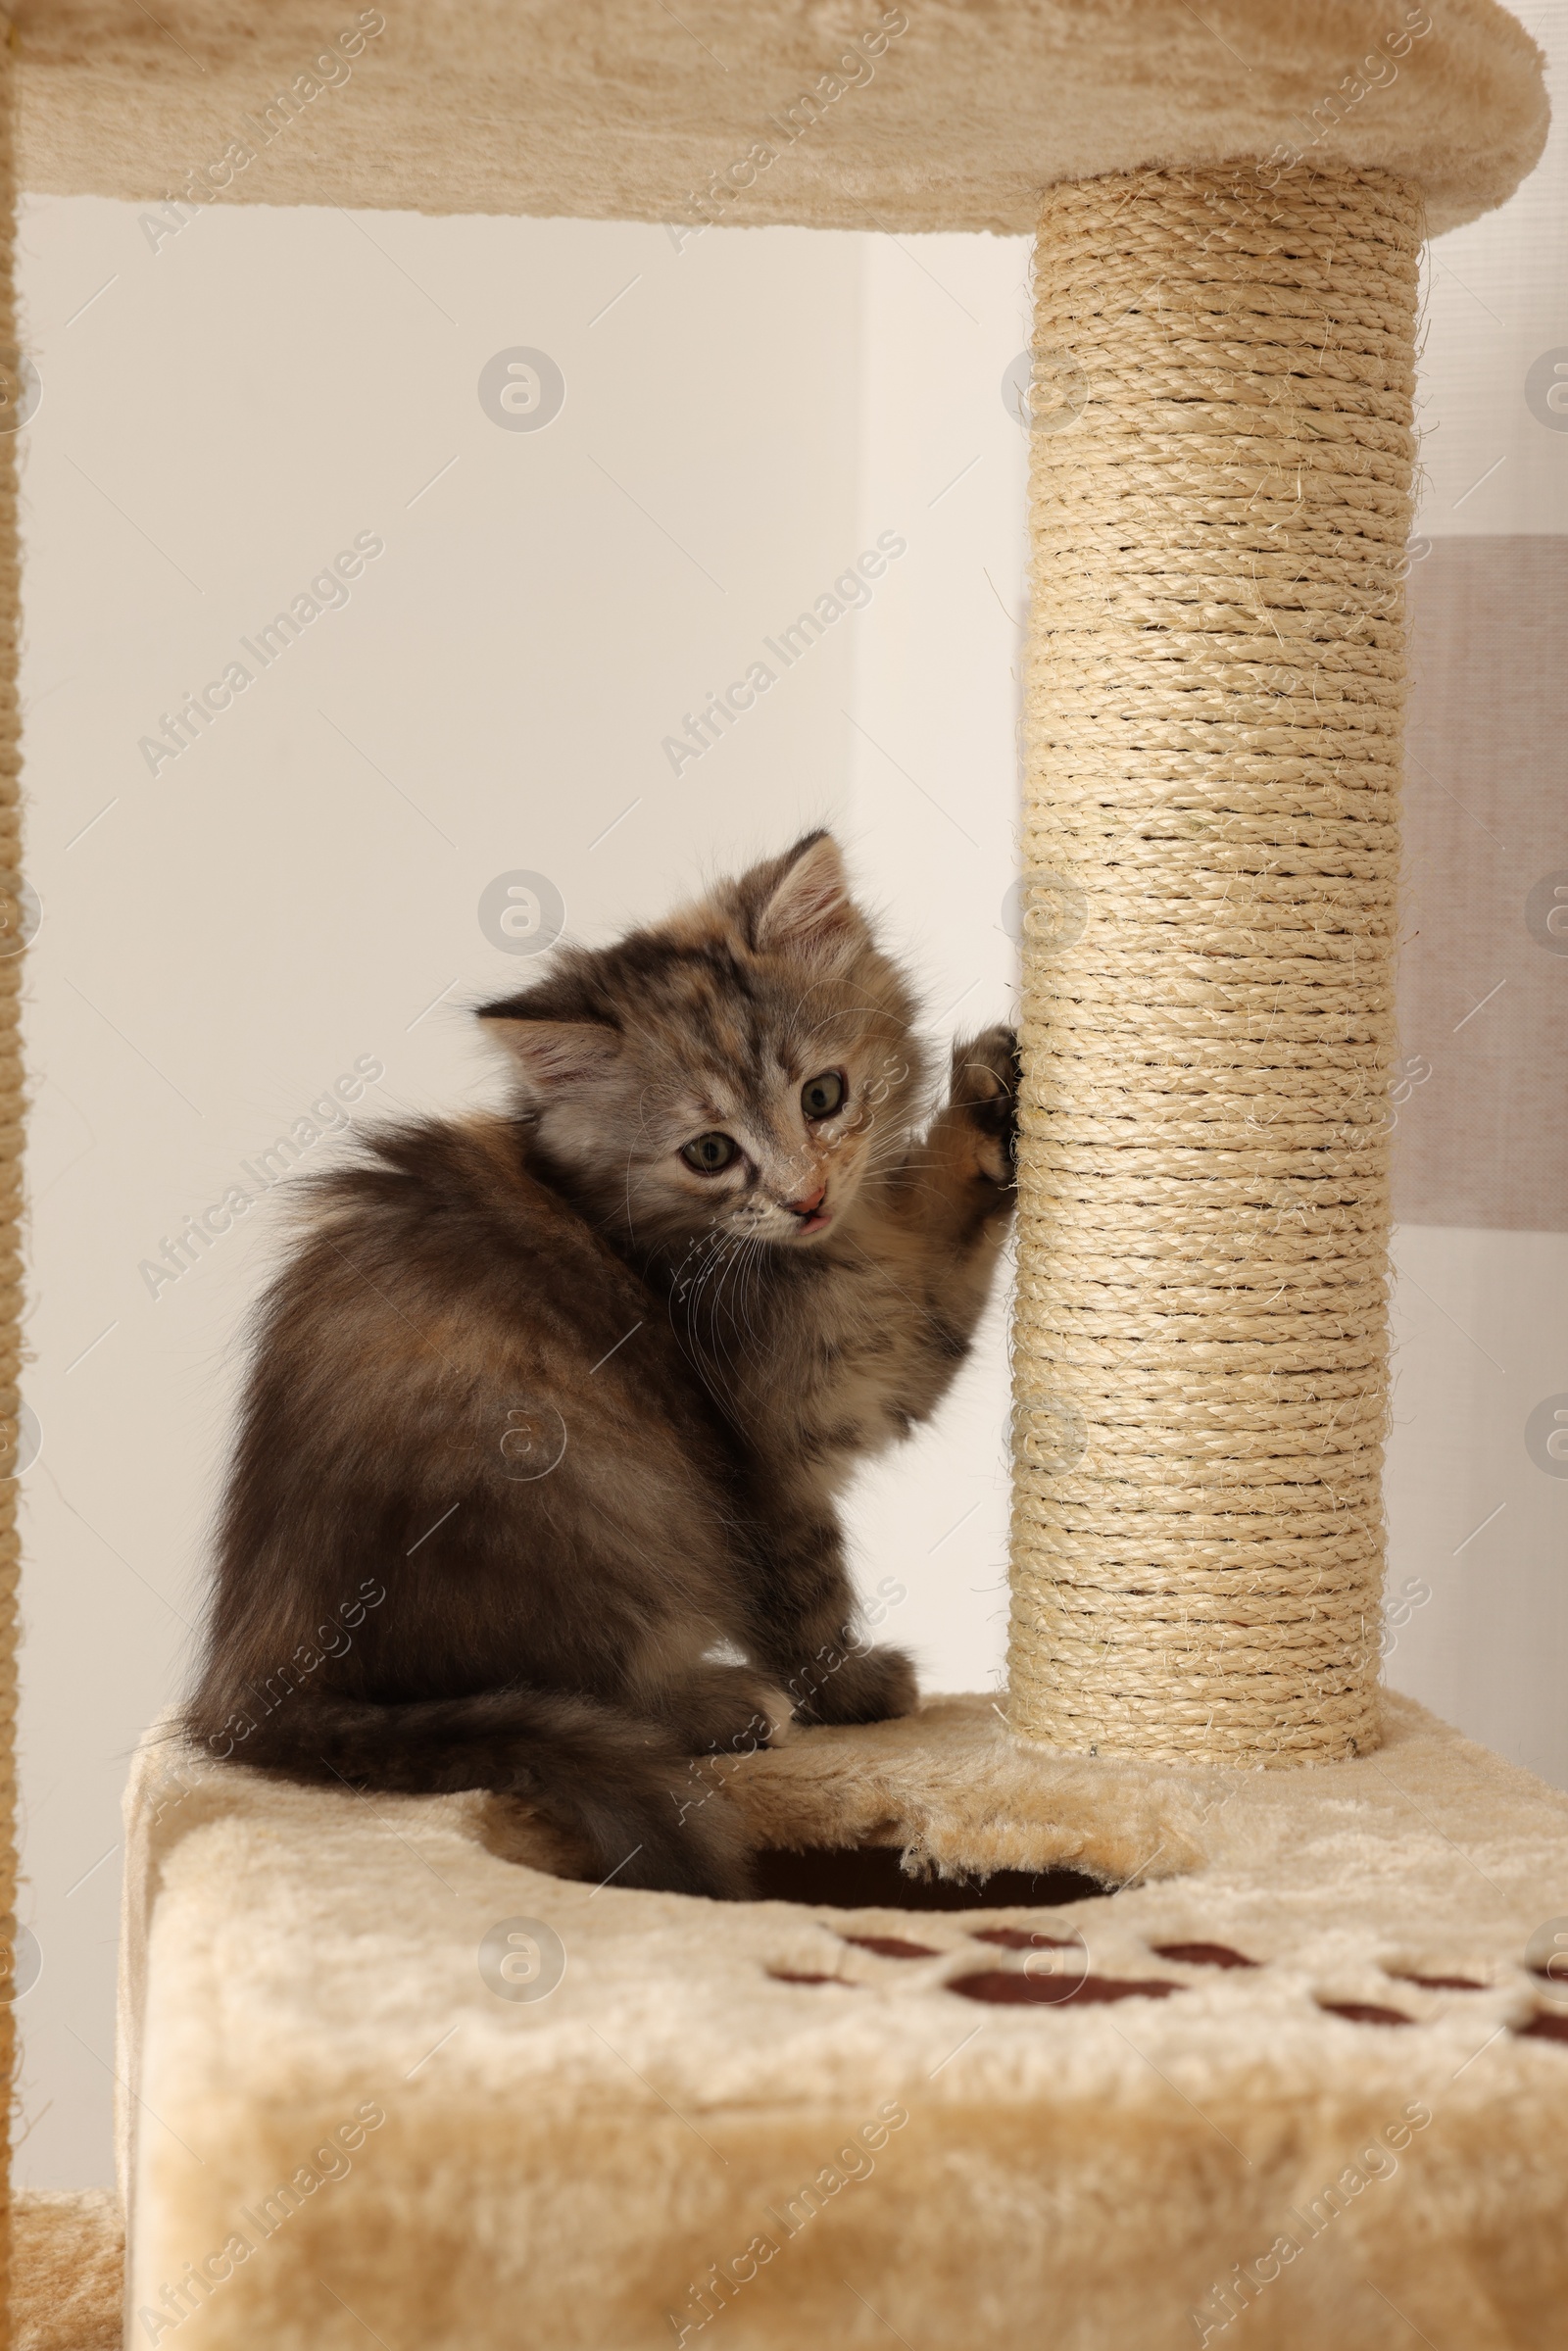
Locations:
(618, 1790)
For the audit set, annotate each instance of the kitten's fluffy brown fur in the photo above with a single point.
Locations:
(541, 1414)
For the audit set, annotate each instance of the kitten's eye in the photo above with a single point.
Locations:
(709, 1155)
(821, 1095)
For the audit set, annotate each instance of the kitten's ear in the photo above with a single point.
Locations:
(811, 910)
(553, 1057)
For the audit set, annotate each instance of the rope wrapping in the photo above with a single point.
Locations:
(1220, 497)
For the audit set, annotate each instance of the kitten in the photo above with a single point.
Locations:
(548, 1406)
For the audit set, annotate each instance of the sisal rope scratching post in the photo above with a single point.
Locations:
(1219, 504)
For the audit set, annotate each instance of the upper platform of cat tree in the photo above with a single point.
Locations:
(835, 114)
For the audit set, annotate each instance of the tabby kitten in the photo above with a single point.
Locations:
(549, 1406)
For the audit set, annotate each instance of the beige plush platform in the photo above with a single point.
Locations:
(876, 2156)
(66, 2268)
(844, 114)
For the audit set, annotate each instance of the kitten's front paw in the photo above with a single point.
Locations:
(985, 1087)
(858, 1685)
(723, 1710)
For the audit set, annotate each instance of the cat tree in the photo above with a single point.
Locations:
(1289, 2037)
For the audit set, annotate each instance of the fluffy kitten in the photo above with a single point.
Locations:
(548, 1406)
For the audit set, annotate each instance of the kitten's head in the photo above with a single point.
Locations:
(735, 1070)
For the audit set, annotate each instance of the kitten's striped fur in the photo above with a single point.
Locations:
(583, 1410)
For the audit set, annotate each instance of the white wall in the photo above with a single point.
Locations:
(935, 798)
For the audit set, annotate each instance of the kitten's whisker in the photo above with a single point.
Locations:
(746, 1265)
(710, 1341)
(718, 1242)
(755, 1293)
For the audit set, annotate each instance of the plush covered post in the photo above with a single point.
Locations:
(16, 1968)
(1219, 505)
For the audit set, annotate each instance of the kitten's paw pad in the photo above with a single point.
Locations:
(984, 1087)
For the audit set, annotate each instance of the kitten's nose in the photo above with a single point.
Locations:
(807, 1206)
